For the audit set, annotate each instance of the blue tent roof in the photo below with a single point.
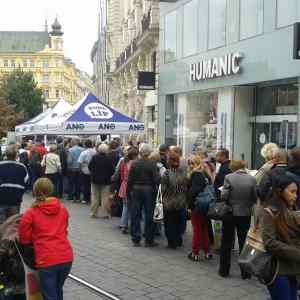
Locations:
(93, 110)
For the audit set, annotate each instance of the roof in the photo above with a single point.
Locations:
(23, 41)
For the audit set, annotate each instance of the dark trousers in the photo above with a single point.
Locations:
(52, 280)
(86, 187)
(283, 287)
(8, 211)
(174, 221)
(74, 184)
(55, 180)
(61, 186)
(142, 198)
(242, 225)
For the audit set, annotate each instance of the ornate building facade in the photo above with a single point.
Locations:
(42, 53)
(131, 34)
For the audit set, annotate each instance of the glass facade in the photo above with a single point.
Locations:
(190, 28)
(277, 100)
(251, 18)
(191, 121)
(217, 23)
(286, 12)
(171, 36)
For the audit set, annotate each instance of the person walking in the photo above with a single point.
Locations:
(294, 170)
(45, 226)
(239, 192)
(84, 160)
(74, 171)
(13, 180)
(101, 168)
(51, 163)
(281, 237)
(198, 181)
(125, 166)
(174, 190)
(143, 180)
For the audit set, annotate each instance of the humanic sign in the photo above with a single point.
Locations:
(216, 67)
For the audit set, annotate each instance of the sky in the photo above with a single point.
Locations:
(78, 19)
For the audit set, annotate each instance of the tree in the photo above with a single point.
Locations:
(9, 117)
(20, 89)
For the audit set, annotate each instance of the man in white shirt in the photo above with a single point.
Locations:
(84, 160)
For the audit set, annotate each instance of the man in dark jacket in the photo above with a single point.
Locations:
(280, 168)
(63, 155)
(222, 157)
(13, 179)
(102, 168)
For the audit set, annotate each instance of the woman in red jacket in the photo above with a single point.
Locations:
(45, 226)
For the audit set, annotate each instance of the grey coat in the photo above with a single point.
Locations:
(239, 191)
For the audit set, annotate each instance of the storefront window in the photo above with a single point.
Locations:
(277, 100)
(171, 36)
(252, 15)
(217, 23)
(190, 28)
(171, 120)
(286, 12)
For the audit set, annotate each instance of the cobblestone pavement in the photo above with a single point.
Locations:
(106, 258)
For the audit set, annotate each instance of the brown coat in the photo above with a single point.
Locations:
(287, 252)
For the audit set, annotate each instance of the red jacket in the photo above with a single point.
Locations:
(46, 227)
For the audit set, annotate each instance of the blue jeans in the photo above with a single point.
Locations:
(142, 198)
(55, 180)
(74, 185)
(125, 214)
(52, 280)
(283, 287)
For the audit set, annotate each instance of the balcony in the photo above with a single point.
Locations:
(149, 32)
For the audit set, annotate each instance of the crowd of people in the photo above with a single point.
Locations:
(109, 174)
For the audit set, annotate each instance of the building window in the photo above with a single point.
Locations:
(13, 63)
(57, 93)
(5, 63)
(46, 78)
(217, 23)
(25, 63)
(190, 28)
(31, 63)
(286, 12)
(171, 36)
(252, 16)
(45, 64)
(153, 62)
(46, 94)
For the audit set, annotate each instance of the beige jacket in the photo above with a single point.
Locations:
(52, 163)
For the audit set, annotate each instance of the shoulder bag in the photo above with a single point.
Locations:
(158, 215)
(254, 258)
(204, 199)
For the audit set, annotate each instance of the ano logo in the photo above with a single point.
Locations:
(75, 126)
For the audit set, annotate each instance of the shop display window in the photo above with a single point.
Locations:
(191, 122)
(277, 100)
(286, 12)
(171, 36)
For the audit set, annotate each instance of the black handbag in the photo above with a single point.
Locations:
(219, 211)
(254, 258)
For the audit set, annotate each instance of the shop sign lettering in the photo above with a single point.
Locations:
(216, 67)
(75, 126)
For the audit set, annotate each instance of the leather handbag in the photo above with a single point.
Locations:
(219, 211)
(158, 215)
(254, 258)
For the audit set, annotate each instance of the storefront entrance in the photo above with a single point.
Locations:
(281, 130)
(275, 120)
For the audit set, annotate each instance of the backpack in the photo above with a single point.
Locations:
(205, 199)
